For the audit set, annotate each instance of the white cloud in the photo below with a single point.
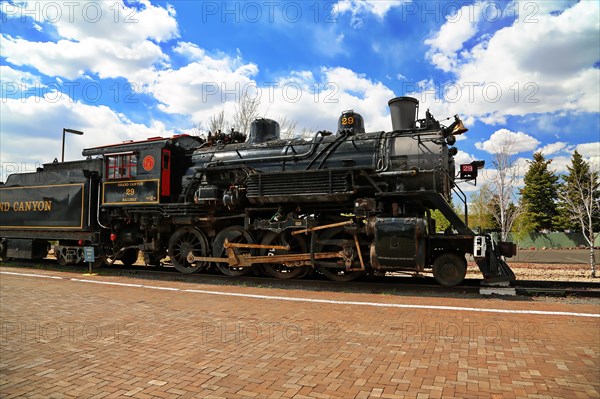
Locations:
(521, 165)
(591, 151)
(199, 88)
(514, 142)
(378, 8)
(358, 8)
(527, 67)
(459, 27)
(530, 10)
(73, 59)
(517, 169)
(203, 87)
(15, 80)
(552, 148)
(548, 123)
(111, 21)
(32, 129)
(559, 164)
(190, 50)
(462, 158)
(342, 89)
(208, 82)
(93, 42)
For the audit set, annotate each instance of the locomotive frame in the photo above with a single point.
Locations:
(341, 204)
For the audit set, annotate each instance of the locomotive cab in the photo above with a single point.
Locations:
(139, 177)
(144, 172)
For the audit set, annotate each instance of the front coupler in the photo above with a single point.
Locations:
(489, 256)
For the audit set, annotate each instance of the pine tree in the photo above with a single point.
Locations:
(539, 195)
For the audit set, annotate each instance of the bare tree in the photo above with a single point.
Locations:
(582, 202)
(287, 127)
(217, 122)
(502, 186)
(246, 110)
(305, 132)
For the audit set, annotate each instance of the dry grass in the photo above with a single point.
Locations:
(545, 271)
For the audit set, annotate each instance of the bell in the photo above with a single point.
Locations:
(459, 128)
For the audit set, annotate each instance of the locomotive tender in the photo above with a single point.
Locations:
(342, 204)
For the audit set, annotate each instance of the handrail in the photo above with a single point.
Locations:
(459, 193)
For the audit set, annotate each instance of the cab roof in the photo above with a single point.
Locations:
(182, 141)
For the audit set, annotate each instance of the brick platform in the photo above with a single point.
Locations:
(73, 339)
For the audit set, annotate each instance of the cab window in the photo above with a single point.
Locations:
(121, 166)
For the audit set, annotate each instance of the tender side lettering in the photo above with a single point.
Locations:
(26, 206)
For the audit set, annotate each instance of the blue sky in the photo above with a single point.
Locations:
(521, 70)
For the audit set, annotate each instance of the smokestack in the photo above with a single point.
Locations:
(403, 111)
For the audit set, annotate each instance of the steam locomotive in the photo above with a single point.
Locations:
(342, 204)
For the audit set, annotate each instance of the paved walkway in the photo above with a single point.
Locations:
(69, 337)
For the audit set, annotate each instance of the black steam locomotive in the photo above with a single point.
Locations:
(342, 204)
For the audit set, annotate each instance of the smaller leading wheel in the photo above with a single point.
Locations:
(99, 261)
(3, 248)
(183, 241)
(60, 257)
(153, 258)
(129, 256)
(449, 269)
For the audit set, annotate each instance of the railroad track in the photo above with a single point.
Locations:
(385, 284)
(557, 288)
(390, 285)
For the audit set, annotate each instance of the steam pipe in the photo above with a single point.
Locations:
(307, 154)
(405, 173)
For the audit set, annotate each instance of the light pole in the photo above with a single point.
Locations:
(62, 158)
